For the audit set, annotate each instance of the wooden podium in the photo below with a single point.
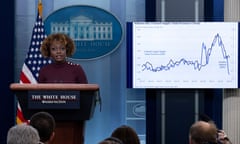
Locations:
(70, 104)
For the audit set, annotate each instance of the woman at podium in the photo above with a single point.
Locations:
(58, 47)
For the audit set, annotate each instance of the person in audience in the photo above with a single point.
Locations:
(44, 122)
(111, 140)
(222, 137)
(22, 134)
(202, 132)
(58, 47)
(126, 134)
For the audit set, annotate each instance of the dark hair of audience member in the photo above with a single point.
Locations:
(45, 125)
(111, 140)
(126, 134)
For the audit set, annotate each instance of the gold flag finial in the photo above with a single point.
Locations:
(40, 7)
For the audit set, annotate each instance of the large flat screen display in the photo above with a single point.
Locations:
(182, 54)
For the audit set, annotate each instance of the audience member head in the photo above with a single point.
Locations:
(22, 134)
(126, 134)
(111, 140)
(222, 137)
(45, 125)
(202, 132)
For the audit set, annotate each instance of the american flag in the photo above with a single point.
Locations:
(34, 59)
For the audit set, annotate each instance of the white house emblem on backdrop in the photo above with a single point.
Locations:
(96, 32)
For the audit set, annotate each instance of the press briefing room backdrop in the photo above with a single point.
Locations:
(157, 114)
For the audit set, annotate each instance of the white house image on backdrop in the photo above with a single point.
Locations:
(82, 28)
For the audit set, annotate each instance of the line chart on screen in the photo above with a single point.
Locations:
(185, 55)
